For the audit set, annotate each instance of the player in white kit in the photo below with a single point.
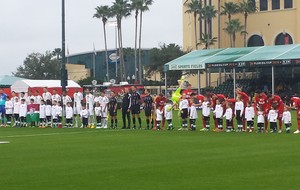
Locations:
(89, 100)
(78, 97)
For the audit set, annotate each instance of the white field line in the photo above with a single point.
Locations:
(46, 134)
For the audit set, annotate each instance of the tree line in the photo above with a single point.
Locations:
(204, 12)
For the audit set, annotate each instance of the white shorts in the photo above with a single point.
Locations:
(91, 110)
(77, 108)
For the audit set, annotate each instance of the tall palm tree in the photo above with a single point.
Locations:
(194, 7)
(136, 6)
(103, 13)
(246, 7)
(144, 8)
(229, 9)
(208, 40)
(233, 26)
(57, 52)
(121, 9)
(209, 12)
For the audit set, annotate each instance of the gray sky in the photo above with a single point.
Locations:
(35, 26)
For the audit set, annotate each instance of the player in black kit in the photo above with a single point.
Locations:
(135, 107)
(126, 106)
(112, 108)
(148, 106)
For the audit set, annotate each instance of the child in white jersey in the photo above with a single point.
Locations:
(193, 115)
(23, 112)
(42, 123)
(287, 119)
(159, 117)
(228, 116)
(206, 108)
(183, 107)
(48, 112)
(98, 114)
(16, 112)
(218, 112)
(249, 116)
(84, 115)
(69, 115)
(260, 120)
(8, 111)
(169, 114)
(272, 118)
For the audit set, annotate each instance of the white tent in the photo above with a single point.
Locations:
(24, 85)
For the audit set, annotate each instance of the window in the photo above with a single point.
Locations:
(255, 40)
(275, 4)
(288, 4)
(263, 5)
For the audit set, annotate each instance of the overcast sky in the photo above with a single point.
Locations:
(35, 26)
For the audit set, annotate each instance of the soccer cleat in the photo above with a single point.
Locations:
(180, 129)
(228, 130)
(279, 131)
(204, 129)
(296, 132)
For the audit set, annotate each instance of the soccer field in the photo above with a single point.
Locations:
(139, 159)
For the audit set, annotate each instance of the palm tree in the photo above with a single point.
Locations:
(229, 9)
(103, 13)
(136, 6)
(195, 7)
(208, 40)
(121, 9)
(209, 12)
(144, 8)
(246, 8)
(57, 52)
(233, 26)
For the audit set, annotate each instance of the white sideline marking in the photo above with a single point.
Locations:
(46, 134)
(4, 142)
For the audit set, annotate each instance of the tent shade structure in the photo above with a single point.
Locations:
(232, 58)
(32, 85)
(6, 81)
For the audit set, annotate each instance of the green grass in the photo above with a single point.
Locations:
(126, 159)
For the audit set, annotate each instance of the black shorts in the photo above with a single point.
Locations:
(112, 112)
(250, 123)
(69, 121)
(135, 109)
(148, 112)
(184, 113)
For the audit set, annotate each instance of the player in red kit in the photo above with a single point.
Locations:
(296, 104)
(276, 101)
(160, 102)
(261, 100)
(188, 91)
(245, 98)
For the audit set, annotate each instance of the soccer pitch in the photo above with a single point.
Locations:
(139, 159)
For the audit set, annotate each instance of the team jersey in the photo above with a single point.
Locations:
(23, 110)
(66, 99)
(89, 99)
(261, 100)
(200, 97)
(193, 112)
(188, 93)
(38, 99)
(98, 111)
(9, 107)
(168, 112)
(183, 104)
(239, 106)
(126, 101)
(103, 100)
(148, 101)
(205, 109)
(272, 116)
(48, 110)
(249, 113)
(218, 111)
(53, 112)
(46, 96)
(160, 102)
(244, 97)
(84, 113)
(2, 99)
(55, 97)
(260, 117)
(69, 112)
(287, 118)
(78, 97)
(112, 104)
(29, 98)
(59, 111)
(135, 99)
(228, 114)
(159, 115)
(42, 111)
(277, 101)
(16, 108)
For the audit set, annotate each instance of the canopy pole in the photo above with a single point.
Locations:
(199, 82)
(166, 93)
(273, 81)
(206, 78)
(225, 77)
(220, 77)
(234, 82)
(209, 77)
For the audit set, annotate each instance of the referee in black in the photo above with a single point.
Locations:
(148, 106)
(126, 106)
(135, 107)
